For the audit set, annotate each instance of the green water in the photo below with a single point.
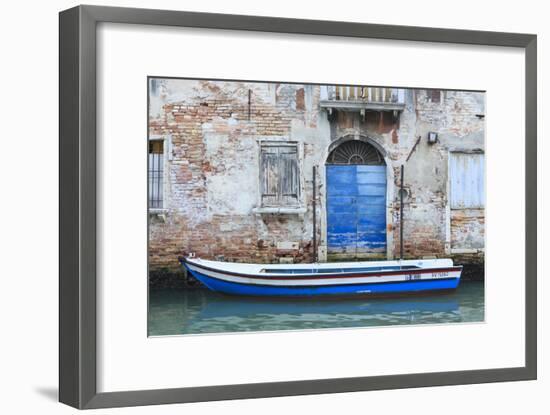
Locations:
(173, 312)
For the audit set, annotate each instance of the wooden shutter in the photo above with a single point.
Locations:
(269, 170)
(288, 161)
(279, 175)
(467, 180)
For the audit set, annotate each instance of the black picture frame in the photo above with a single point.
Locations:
(77, 205)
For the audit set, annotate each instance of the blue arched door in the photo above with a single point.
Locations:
(356, 202)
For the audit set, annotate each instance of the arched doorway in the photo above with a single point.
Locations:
(356, 201)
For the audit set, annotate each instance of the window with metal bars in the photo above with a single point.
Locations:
(279, 174)
(156, 174)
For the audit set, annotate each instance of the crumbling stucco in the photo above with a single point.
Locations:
(213, 193)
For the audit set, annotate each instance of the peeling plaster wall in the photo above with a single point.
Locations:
(214, 172)
(213, 175)
(458, 120)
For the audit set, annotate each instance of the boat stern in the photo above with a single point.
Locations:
(186, 263)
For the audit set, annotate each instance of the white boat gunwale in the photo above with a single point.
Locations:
(334, 274)
(326, 281)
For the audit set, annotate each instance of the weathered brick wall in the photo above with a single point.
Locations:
(457, 118)
(213, 176)
(468, 229)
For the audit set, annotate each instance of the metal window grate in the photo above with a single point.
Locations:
(434, 95)
(156, 173)
(355, 152)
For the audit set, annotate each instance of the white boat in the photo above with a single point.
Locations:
(326, 279)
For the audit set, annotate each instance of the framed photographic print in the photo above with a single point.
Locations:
(299, 194)
(308, 206)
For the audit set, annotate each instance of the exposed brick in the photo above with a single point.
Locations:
(214, 169)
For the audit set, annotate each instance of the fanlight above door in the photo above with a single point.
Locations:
(356, 152)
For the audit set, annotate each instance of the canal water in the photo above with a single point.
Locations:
(193, 311)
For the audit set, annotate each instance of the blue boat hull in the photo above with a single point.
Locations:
(381, 288)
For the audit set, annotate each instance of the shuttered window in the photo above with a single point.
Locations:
(279, 174)
(467, 180)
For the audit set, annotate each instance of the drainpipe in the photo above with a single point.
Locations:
(401, 196)
(314, 215)
(401, 217)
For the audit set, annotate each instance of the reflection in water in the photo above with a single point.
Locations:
(201, 311)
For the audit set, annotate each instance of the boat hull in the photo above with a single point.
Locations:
(366, 289)
(389, 283)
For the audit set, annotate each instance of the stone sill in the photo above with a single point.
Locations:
(467, 250)
(280, 210)
(158, 211)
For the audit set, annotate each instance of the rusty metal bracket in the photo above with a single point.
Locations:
(414, 148)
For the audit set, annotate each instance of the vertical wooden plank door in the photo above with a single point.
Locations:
(356, 211)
